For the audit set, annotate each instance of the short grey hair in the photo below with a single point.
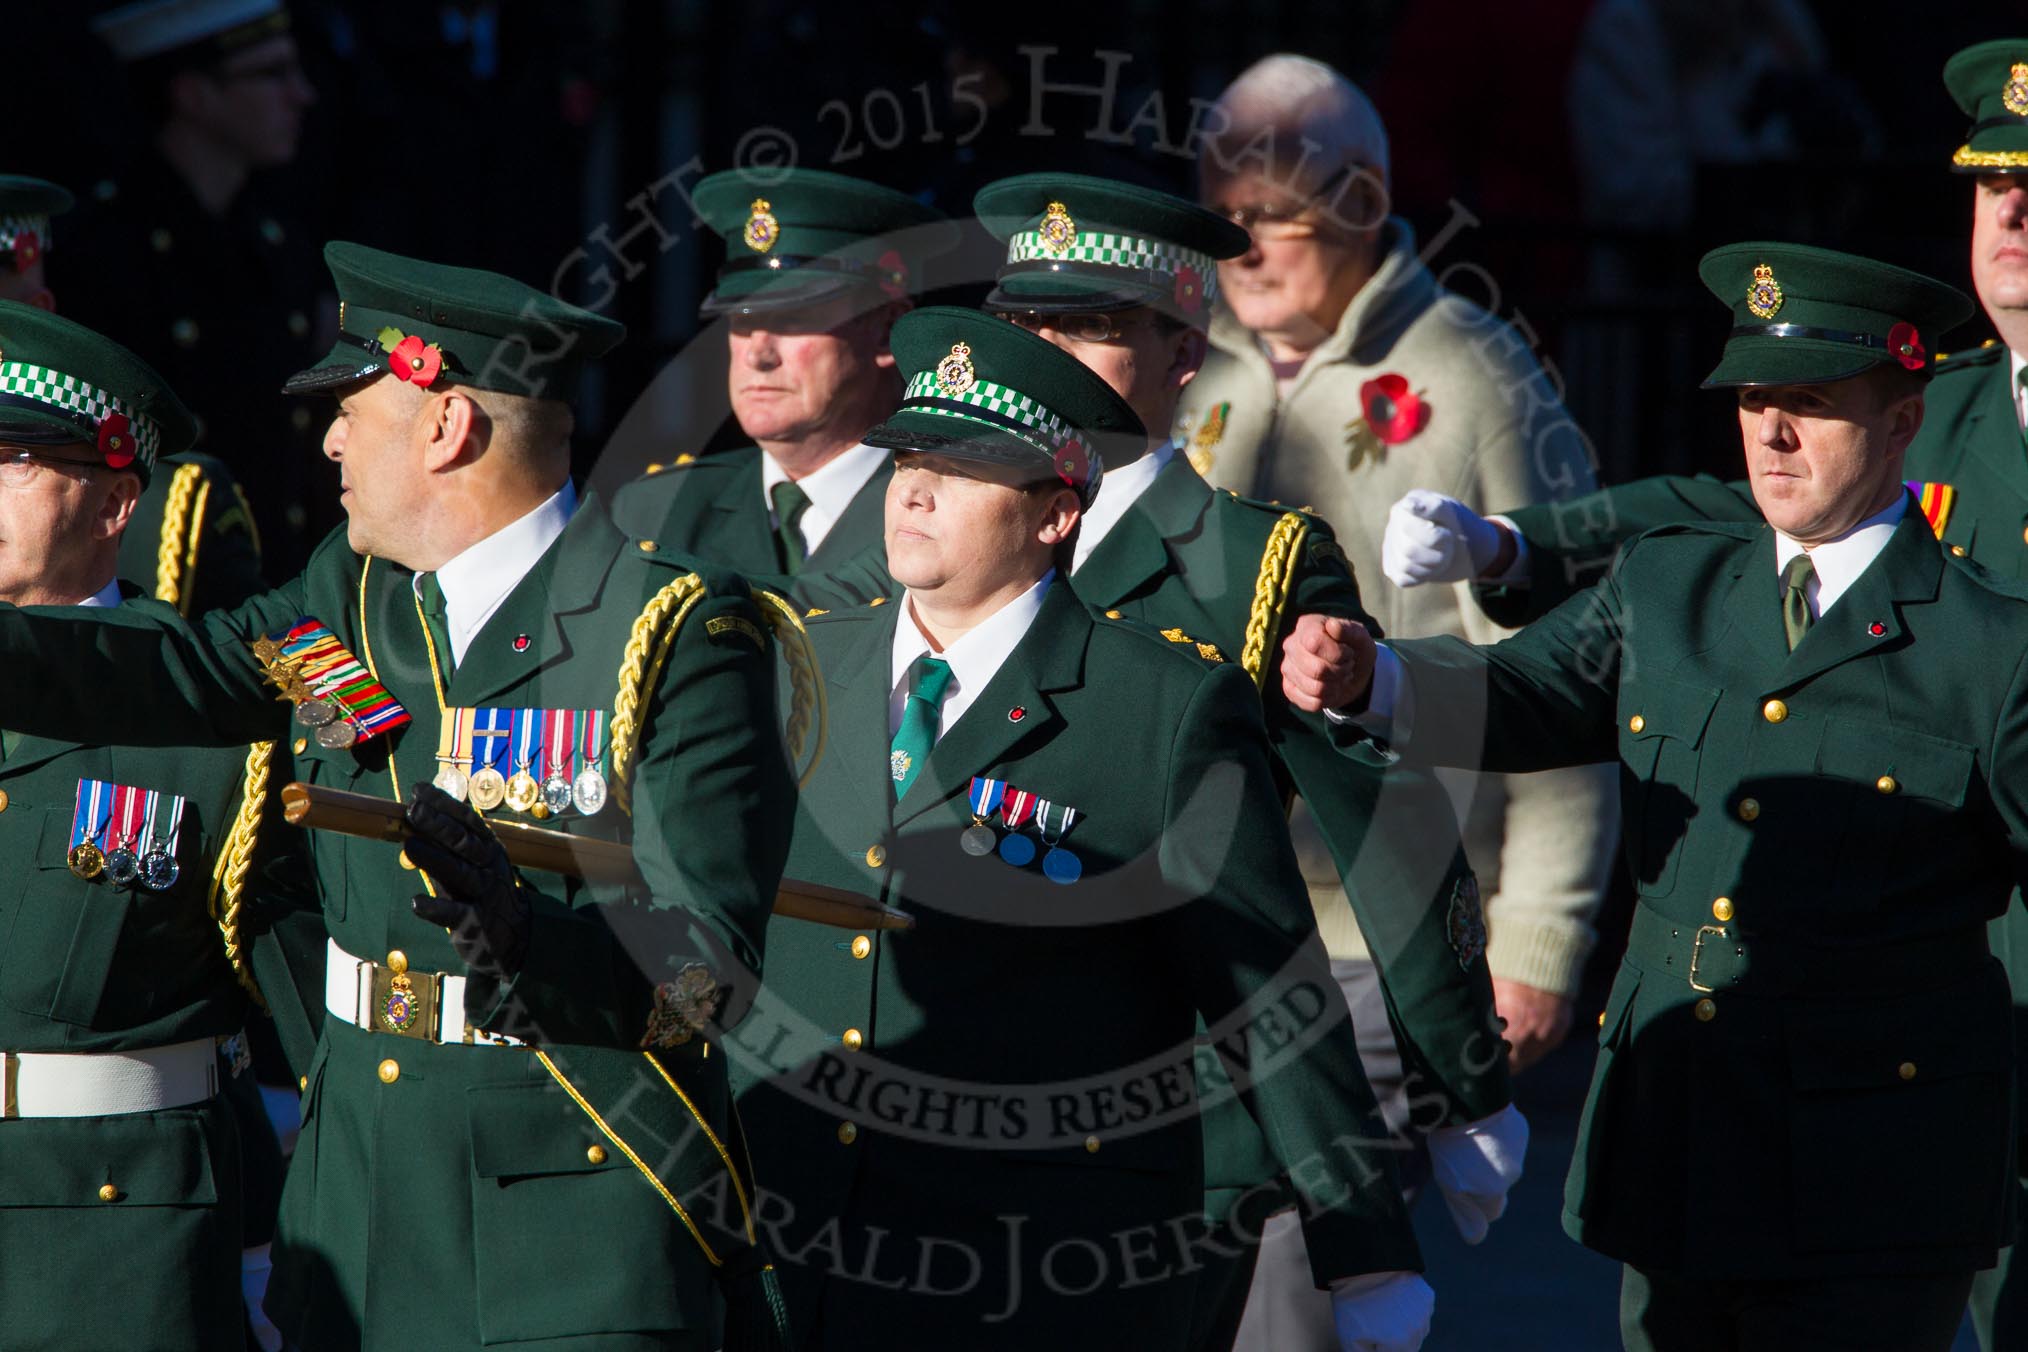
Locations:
(1295, 117)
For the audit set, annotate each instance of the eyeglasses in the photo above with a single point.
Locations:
(21, 469)
(1087, 326)
(1280, 220)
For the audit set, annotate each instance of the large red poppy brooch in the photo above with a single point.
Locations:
(1390, 413)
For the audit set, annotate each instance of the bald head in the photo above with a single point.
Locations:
(1299, 123)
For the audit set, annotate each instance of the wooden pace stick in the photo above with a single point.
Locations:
(595, 861)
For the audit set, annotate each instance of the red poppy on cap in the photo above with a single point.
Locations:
(116, 440)
(1906, 345)
(1189, 290)
(27, 248)
(893, 278)
(1072, 465)
(1391, 410)
(416, 362)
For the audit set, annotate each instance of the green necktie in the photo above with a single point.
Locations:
(437, 616)
(1796, 598)
(928, 678)
(790, 504)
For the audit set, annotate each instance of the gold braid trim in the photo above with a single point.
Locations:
(235, 860)
(648, 645)
(1271, 593)
(196, 539)
(1968, 158)
(628, 1150)
(176, 534)
(806, 685)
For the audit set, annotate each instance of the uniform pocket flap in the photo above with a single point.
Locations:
(148, 1159)
(1661, 706)
(521, 1131)
(1894, 762)
(1907, 1041)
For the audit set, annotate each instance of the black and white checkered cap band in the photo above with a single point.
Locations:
(1037, 425)
(12, 228)
(82, 401)
(1118, 251)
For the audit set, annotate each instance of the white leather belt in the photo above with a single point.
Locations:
(392, 998)
(102, 1084)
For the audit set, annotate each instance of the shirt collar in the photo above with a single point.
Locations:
(976, 657)
(478, 579)
(108, 595)
(1119, 490)
(1840, 562)
(2015, 362)
(830, 489)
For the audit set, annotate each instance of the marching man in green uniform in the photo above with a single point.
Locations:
(190, 541)
(983, 1132)
(1124, 279)
(819, 267)
(502, 1122)
(124, 967)
(1966, 466)
(1800, 1128)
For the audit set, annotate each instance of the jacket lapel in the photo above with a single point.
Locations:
(733, 529)
(857, 737)
(1906, 572)
(862, 526)
(1754, 604)
(549, 606)
(1136, 550)
(1049, 657)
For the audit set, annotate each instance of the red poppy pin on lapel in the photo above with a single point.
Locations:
(1390, 415)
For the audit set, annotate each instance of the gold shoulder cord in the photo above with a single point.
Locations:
(235, 860)
(1271, 593)
(176, 550)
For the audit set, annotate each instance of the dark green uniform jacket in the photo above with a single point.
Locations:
(1818, 837)
(88, 967)
(191, 539)
(452, 1196)
(1017, 1079)
(712, 507)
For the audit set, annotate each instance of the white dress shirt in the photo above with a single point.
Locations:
(2014, 364)
(478, 580)
(108, 595)
(1119, 489)
(1839, 562)
(830, 490)
(973, 658)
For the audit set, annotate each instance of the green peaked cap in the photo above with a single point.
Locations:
(981, 389)
(62, 383)
(1805, 316)
(26, 204)
(1990, 83)
(469, 327)
(1077, 243)
(799, 237)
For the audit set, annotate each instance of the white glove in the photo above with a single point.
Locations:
(1433, 538)
(1382, 1312)
(1474, 1165)
(254, 1266)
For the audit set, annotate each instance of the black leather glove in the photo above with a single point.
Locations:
(478, 899)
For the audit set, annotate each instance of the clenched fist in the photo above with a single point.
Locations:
(1327, 663)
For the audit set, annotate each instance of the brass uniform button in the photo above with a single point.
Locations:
(1091, 1145)
(300, 745)
(1907, 1071)
(405, 861)
(878, 601)
(1887, 784)
(853, 1039)
(847, 1133)
(1706, 1010)
(596, 1155)
(1749, 808)
(397, 962)
(876, 855)
(1774, 711)
(1601, 1018)
(1722, 908)
(390, 1071)
(1636, 723)
(303, 1081)
(654, 467)
(3, 800)
(861, 946)
(648, 546)
(1112, 614)
(2024, 535)
(1958, 551)
(109, 1193)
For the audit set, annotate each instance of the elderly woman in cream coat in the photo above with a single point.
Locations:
(1342, 375)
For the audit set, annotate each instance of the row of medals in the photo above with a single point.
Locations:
(486, 789)
(154, 868)
(333, 729)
